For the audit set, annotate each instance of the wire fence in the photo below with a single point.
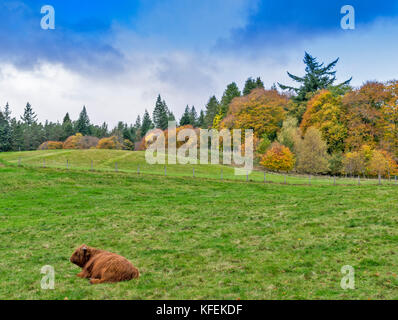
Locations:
(209, 172)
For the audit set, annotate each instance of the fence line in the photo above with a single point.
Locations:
(283, 179)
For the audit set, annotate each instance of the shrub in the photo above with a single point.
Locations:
(79, 141)
(382, 164)
(110, 143)
(73, 141)
(312, 156)
(278, 158)
(51, 145)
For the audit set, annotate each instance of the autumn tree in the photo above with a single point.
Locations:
(290, 134)
(112, 142)
(389, 120)
(278, 158)
(311, 153)
(364, 115)
(353, 163)
(326, 113)
(261, 110)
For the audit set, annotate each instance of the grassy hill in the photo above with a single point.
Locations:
(131, 162)
(190, 238)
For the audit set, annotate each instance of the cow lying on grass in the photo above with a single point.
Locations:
(102, 266)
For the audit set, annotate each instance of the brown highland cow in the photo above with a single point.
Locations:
(102, 266)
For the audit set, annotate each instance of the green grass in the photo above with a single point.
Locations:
(129, 162)
(192, 238)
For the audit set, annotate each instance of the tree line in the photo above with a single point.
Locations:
(318, 127)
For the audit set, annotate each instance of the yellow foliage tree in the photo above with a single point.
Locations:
(325, 112)
(51, 145)
(73, 141)
(110, 143)
(278, 158)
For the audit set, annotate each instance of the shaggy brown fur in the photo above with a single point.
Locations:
(102, 266)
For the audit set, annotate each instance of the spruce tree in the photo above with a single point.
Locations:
(249, 86)
(230, 93)
(193, 115)
(29, 116)
(252, 84)
(161, 114)
(201, 120)
(317, 77)
(67, 127)
(171, 116)
(186, 117)
(137, 129)
(7, 113)
(83, 123)
(146, 123)
(259, 83)
(212, 108)
(5, 133)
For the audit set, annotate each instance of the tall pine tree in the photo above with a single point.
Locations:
(212, 108)
(186, 117)
(193, 115)
(147, 123)
(29, 116)
(201, 120)
(83, 123)
(5, 133)
(67, 127)
(317, 77)
(230, 93)
(161, 114)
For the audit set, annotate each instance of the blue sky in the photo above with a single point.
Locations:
(116, 56)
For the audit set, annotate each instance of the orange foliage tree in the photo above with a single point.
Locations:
(364, 115)
(51, 145)
(110, 143)
(79, 141)
(278, 158)
(261, 110)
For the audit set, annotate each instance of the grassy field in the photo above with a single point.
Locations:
(191, 238)
(131, 162)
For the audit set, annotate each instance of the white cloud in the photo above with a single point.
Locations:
(186, 76)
